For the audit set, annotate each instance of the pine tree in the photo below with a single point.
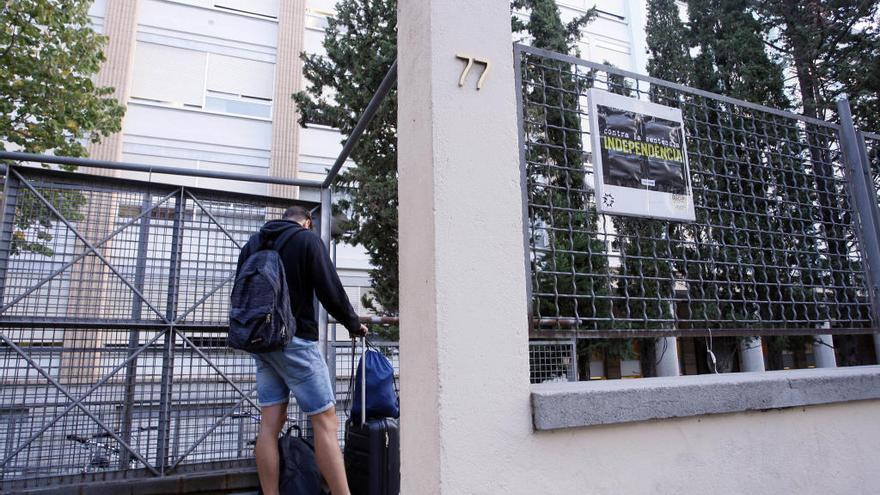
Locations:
(361, 44)
(571, 274)
(647, 246)
(668, 45)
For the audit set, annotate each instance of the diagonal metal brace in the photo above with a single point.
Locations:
(76, 403)
(85, 253)
(214, 219)
(212, 365)
(203, 299)
(210, 430)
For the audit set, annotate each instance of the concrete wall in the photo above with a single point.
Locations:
(466, 418)
(815, 450)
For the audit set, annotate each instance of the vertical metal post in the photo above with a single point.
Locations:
(861, 189)
(524, 179)
(10, 202)
(134, 334)
(331, 346)
(326, 199)
(166, 391)
(866, 165)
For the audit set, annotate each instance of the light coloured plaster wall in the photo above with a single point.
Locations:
(814, 450)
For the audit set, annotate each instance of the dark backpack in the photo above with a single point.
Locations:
(260, 319)
(299, 470)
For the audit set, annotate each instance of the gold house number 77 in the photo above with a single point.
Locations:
(467, 68)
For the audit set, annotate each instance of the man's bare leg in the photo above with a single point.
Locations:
(325, 425)
(272, 419)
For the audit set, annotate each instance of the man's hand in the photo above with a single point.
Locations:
(362, 331)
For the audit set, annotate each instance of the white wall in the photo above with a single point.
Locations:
(817, 450)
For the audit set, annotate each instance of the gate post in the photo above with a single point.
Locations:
(858, 174)
(465, 401)
(866, 163)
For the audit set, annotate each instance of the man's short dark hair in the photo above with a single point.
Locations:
(297, 214)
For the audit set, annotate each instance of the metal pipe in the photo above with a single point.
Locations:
(326, 207)
(666, 84)
(134, 334)
(378, 97)
(867, 223)
(561, 333)
(155, 169)
(166, 391)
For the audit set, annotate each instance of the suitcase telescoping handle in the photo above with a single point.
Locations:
(363, 375)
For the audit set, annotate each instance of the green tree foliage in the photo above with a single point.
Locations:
(668, 45)
(741, 236)
(361, 44)
(48, 101)
(571, 271)
(340, 86)
(832, 47)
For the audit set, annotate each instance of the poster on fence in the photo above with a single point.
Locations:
(639, 158)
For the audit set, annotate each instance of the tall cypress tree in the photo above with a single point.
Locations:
(736, 239)
(648, 246)
(571, 274)
(361, 44)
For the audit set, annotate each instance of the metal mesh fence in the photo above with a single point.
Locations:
(773, 246)
(553, 361)
(113, 307)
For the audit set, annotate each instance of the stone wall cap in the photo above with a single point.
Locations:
(601, 402)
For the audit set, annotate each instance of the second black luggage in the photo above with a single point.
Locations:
(372, 456)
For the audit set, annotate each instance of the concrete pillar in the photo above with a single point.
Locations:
(288, 80)
(120, 27)
(90, 278)
(823, 352)
(667, 357)
(464, 334)
(751, 355)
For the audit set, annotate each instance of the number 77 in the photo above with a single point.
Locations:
(467, 68)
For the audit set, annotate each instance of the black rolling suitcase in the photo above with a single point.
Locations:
(372, 450)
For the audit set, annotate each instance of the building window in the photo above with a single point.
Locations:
(169, 75)
(216, 101)
(239, 86)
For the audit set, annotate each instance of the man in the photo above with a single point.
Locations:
(299, 368)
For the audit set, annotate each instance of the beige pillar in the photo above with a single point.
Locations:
(120, 26)
(90, 278)
(464, 318)
(288, 80)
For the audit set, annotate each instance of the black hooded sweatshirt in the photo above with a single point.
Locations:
(309, 272)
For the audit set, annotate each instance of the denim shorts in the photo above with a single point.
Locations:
(298, 368)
